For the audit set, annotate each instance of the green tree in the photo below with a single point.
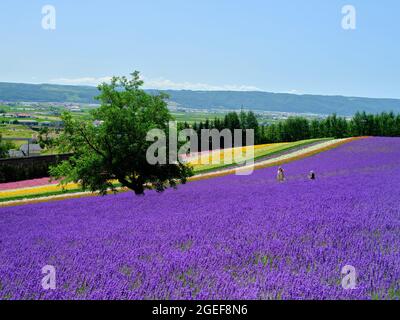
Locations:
(252, 123)
(243, 119)
(360, 124)
(315, 129)
(295, 128)
(5, 146)
(44, 138)
(334, 126)
(113, 145)
(232, 121)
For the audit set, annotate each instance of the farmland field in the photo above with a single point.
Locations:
(192, 117)
(16, 131)
(232, 237)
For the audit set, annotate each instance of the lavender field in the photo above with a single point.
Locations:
(233, 237)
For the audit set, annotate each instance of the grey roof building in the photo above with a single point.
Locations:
(31, 150)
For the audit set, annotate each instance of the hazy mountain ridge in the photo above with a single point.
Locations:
(18, 92)
(256, 100)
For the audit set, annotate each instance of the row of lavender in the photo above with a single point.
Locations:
(232, 237)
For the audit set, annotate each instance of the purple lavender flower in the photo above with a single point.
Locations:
(234, 237)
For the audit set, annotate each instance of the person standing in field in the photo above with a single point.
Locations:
(280, 175)
(312, 176)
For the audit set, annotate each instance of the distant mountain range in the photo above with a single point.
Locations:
(257, 100)
(19, 92)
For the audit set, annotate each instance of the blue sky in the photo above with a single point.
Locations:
(277, 46)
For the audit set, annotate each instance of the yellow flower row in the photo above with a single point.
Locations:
(51, 188)
(229, 156)
(38, 190)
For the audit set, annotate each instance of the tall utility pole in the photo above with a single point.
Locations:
(29, 148)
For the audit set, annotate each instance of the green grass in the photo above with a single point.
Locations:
(4, 108)
(15, 131)
(40, 195)
(39, 118)
(191, 117)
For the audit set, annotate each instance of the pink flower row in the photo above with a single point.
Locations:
(26, 184)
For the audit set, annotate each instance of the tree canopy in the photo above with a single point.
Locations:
(5, 146)
(112, 145)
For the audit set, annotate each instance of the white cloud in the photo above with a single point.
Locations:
(81, 81)
(159, 83)
(293, 91)
(163, 84)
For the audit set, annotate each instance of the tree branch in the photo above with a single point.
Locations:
(90, 144)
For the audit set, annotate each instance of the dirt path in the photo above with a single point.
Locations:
(277, 159)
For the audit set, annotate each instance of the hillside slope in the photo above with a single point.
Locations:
(255, 100)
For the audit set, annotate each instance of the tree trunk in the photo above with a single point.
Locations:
(136, 185)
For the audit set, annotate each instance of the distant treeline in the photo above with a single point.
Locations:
(300, 128)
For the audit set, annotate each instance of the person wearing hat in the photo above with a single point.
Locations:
(280, 175)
